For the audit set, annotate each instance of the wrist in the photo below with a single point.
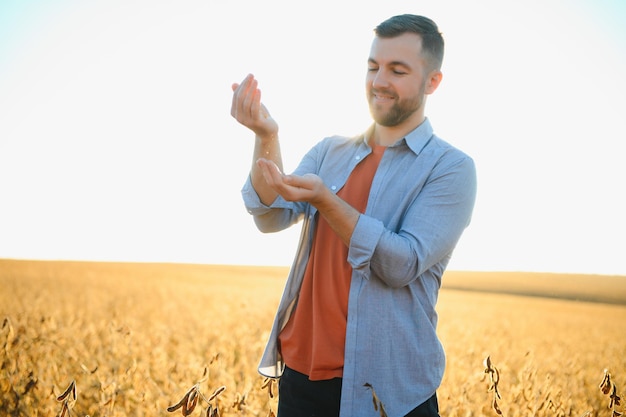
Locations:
(266, 137)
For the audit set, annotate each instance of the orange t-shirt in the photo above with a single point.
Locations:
(313, 340)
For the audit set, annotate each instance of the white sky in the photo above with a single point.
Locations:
(116, 141)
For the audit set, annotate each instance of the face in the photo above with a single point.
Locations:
(398, 80)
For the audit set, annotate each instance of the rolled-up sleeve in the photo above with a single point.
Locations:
(433, 223)
(278, 216)
(364, 240)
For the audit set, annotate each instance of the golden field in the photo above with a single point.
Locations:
(136, 337)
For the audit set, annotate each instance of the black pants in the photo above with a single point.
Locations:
(300, 397)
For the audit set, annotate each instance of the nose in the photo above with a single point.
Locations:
(379, 79)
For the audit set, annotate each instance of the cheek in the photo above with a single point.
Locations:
(415, 88)
(368, 86)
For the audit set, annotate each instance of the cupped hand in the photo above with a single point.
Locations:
(248, 110)
(308, 188)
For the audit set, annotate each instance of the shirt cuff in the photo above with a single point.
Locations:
(364, 240)
(253, 203)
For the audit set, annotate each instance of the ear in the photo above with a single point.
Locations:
(433, 81)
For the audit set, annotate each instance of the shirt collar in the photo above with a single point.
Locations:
(416, 139)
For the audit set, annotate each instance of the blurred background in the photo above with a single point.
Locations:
(116, 141)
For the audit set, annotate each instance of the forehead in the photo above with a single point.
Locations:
(405, 48)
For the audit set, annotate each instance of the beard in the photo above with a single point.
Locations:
(400, 111)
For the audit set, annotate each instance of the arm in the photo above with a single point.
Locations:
(248, 110)
(427, 232)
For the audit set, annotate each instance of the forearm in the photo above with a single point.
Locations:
(341, 216)
(248, 110)
(267, 148)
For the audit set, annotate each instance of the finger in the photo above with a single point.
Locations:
(269, 165)
(267, 176)
(272, 175)
(255, 107)
(239, 91)
(234, 106)
(295, 181)
(242, 99)
(249, 97)
(246, 81)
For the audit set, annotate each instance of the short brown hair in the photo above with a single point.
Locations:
(432, 40)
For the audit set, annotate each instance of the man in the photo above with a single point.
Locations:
(381, 213)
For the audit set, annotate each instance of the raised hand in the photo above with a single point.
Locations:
(248, 110)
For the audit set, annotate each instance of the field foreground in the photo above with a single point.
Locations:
(136, 337)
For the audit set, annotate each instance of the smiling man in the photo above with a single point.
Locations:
(381, 214)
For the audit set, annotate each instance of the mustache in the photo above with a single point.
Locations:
(379, 92)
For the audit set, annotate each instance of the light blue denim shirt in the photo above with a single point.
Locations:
(419, 203)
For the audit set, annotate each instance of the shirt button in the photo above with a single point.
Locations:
(333, 187)
(358, 157)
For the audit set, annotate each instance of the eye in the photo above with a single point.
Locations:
(372, 69)
(399, 72)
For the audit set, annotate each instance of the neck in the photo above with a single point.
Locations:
(388, 135)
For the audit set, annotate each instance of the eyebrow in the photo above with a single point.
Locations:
(392, 63)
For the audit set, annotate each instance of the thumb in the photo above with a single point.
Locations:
(234, 86)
